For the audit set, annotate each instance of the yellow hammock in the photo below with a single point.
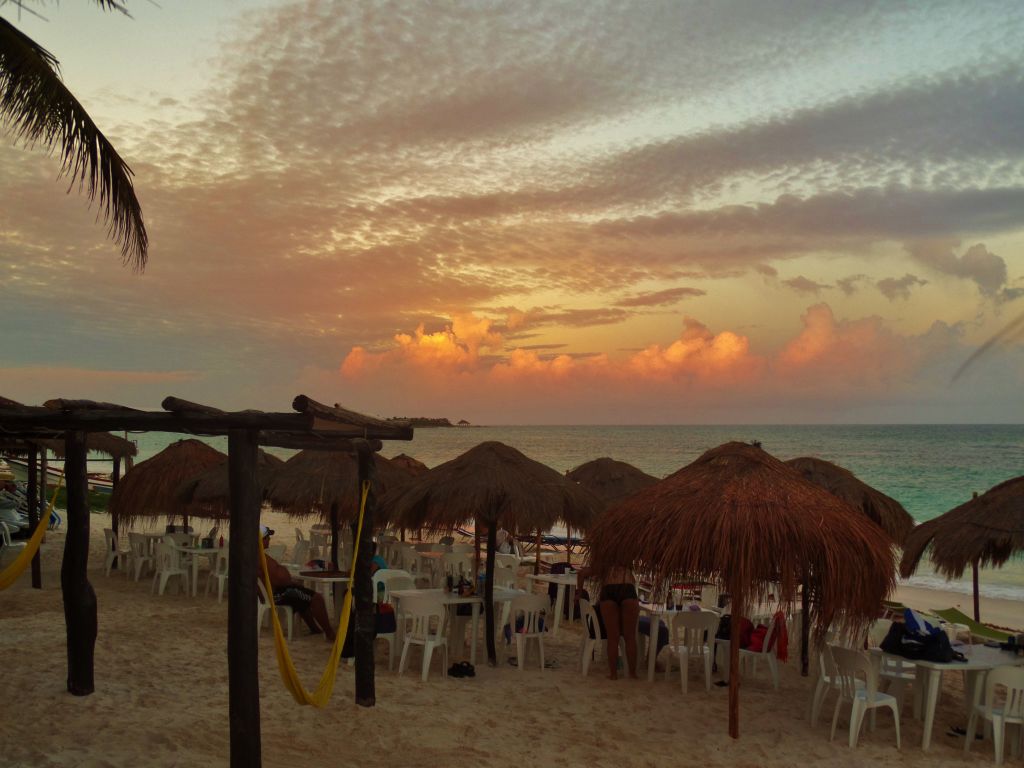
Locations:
(11, 573)
(322, 694)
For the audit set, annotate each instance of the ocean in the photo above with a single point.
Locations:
(928, 468)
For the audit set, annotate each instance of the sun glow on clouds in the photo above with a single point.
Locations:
(846, 356)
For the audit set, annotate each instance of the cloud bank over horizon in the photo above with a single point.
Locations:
(740, 205)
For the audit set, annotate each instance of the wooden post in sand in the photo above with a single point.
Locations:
(536, 559)
(34, 514)
(365, 628)
(115, 476)
(805, 627)
(734, 661)
(79, 597)
(244, 565)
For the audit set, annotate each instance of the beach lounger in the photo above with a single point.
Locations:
(977, 629)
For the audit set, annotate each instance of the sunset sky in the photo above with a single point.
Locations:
(533, 212)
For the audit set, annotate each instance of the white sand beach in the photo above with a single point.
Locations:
(161, 698)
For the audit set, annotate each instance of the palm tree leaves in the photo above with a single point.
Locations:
(34, 100)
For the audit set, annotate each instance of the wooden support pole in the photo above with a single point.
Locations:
(977, 598)
(34, 514)
(805, 627)
(79, 597)
(476, 548)
(492, 547)
(734, 660)
(362, 587)
(244, 567)
(43, 470)
(115, 476)
(536, 559)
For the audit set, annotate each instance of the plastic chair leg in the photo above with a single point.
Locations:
(684, 670)
(707, 672)
(856, 721)
(835, 718)
(998, 737)
(520, 651)
(405, 654)
(540, 648)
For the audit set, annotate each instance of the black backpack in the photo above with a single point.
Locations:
(928, 647)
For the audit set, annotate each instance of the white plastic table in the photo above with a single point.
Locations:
(194, 554)
(980, 659)
(452, 598)
(562, 581)
(327, 579)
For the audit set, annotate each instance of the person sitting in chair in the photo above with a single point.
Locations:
(308, 604)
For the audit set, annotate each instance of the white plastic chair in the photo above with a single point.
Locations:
(168, 564)
(532, 608)
(594, 641)
(426, 616)
(114, 554)
(505, 577)
(285, 611)
(1002, 710)
(750, 658)
(276, 551)
(858, 683)
(455, 565)
(385, 580)
(693, 634)
(219, 572)
(141, 557)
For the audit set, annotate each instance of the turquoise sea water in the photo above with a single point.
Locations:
(928, 468)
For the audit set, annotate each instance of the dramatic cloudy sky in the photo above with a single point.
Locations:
(534, 212)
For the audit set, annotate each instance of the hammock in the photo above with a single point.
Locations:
(289, 676)
(10, 574)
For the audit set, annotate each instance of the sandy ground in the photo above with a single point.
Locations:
(161, 699)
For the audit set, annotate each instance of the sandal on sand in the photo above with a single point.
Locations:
(456, 671)
(956, 730)
(468, 670)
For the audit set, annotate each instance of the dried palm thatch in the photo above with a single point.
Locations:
(882, 509)
(212, 489)
(414, 467)
(150, 488)
(498, 486)
(611, 480)
(98, 442)
(986, 530)
(494, 484)
(311, 482)
(741, 517)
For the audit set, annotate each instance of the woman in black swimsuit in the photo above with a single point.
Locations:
(620, 611)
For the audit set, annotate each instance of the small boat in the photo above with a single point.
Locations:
(97, 481)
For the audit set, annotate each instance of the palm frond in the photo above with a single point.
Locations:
(41, 109)
(1011, 332)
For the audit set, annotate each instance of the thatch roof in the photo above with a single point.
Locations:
(741, 517)
(882, 509)
(414, 467)
(311, 481)
(212, 488)
(493, 483)
(611, 480)
(987, 529)
(150, 488)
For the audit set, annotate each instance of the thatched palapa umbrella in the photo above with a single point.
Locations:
(741, 517)
(150, 488)
(882, 509)
(414, 467)
(986, 530)
(611, 480)
(211, 489)
(496, 485)
(326, 484)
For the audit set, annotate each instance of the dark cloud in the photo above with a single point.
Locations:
(660, 298)
(899, 287)
(849, 285)
(977, 263)
(803, 284)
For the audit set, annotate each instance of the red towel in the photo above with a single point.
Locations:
(781, 637)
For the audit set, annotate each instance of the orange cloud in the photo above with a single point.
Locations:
(698, 352)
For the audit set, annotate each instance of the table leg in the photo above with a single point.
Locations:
(195, 574)
(473, 633)
(931, 694)
(572, 604)
(652, 645)
(559, 602)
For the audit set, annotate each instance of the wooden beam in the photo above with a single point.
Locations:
(79, 597)
(244, 567)
(88, 420)
(365, 599)
(316, 441)
(370, 426)
(33, 512)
